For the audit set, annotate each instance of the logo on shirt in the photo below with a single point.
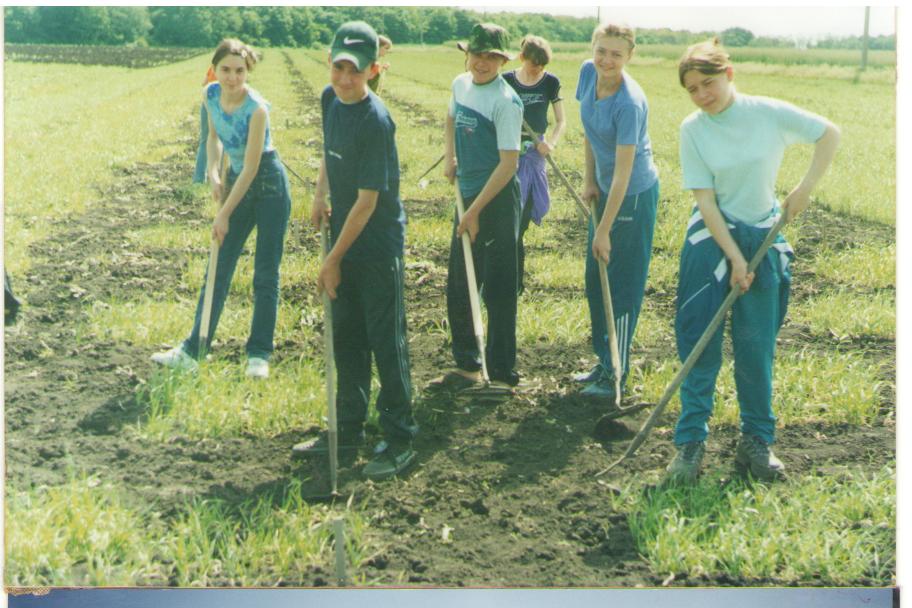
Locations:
(335, 154)
(529, 99)
(470, 123)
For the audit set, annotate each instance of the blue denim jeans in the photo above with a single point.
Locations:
(266, 206)
(199, 173)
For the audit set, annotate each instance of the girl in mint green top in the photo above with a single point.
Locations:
(731, 150)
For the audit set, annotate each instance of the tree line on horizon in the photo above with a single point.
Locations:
(311, 26)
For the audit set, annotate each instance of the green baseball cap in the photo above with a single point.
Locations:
(357, 42)
(487, 38)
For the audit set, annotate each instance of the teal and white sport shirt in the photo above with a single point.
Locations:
(488, 118)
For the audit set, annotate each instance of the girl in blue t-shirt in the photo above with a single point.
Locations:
(256, 195)
(731, 149)
(538, 90)
(621, 176)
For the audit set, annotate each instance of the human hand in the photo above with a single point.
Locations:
(544, 148)
(319, 212)
(740, 277)
(601, 244)
(796, 202)
(591, 193)
(469, 222)
(220, 227)
(449, 169)
(329, 278)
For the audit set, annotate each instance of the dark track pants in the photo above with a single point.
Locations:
(369, 319)
(495, 257)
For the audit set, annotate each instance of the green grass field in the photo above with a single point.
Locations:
(64, 146)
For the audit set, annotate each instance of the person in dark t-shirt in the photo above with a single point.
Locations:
(538, 90)
(363, 273)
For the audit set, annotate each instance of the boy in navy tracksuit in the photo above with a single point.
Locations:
(363, 273)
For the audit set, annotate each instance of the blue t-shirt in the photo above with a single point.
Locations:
(536, 99)
(488, 118)
(616, 120)
(232, 128)
(359, 148)
(738, 151)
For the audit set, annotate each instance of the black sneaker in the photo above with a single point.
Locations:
(389, 460)
(754, 455)
(319, 445)
(511, 378)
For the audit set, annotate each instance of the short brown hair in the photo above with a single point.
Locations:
(708, 57)
(615, 30)
(536, 49)
(233, 46)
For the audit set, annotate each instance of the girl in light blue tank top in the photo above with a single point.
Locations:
(253, 193)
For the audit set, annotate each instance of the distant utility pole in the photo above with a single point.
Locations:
(598, 14)
(864, 44)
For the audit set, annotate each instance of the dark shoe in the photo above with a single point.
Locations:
(754, 455)
(389, 460)
(687, 462)
(511, 378)
(602, 389)
(591, 376)
(319, 445)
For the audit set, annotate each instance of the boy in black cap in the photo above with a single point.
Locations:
(483, 129)
(363, 273)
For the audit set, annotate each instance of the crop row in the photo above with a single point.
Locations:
(124, 56)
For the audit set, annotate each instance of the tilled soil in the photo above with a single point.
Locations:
(501, 495)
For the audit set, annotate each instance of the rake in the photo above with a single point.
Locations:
(698, 348)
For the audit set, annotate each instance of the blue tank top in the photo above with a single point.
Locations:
(232, 128)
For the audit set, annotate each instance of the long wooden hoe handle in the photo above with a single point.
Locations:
(330, 361)
(473, 286)
(698, 348)
(210, 279)
(580, 205)
(609, 315)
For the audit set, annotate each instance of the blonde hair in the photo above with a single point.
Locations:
(233, 46)
(708, 57)
(615, 30)
(536, 49)
(384, 42)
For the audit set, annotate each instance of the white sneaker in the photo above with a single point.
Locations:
(257, 368)
(176, 358)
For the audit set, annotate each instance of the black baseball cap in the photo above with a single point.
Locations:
(355, 41)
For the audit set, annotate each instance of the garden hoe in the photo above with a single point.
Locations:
(698, 348)
(591, 214)
(488, 389)
(329, 354)
(210, 278)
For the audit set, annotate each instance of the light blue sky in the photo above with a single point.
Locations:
(490, 598)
